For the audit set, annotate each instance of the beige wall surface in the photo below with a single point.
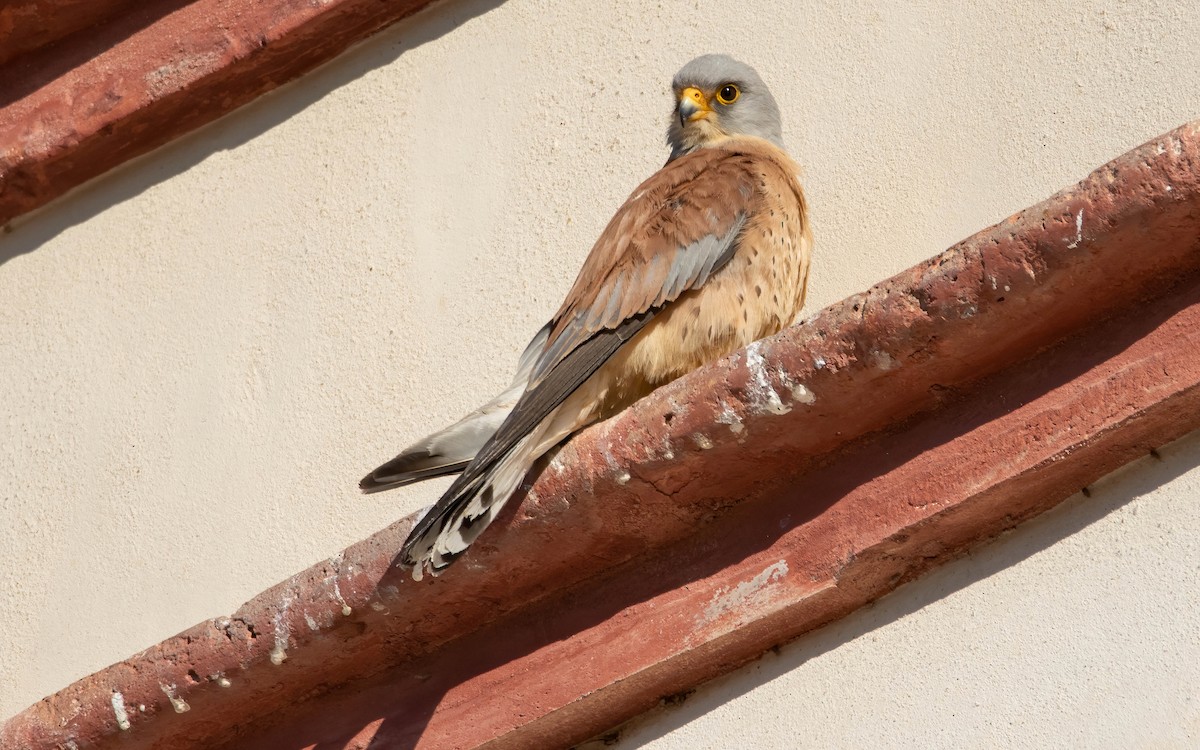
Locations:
(1080, 629)
(201, 353)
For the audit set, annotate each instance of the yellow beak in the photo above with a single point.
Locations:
(693, 105)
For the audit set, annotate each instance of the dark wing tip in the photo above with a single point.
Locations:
(408, 469)
(394, 473)
(370, 484)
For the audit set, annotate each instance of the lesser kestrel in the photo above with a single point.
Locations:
(707, 255)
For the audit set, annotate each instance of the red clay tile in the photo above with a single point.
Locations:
(86, 86)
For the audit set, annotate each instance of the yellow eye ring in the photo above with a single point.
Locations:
(728, 94)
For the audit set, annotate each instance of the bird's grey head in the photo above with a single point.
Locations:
(717, 97)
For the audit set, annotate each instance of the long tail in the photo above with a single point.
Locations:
(458, 519)
(477, 495)
(569, 398)
(449, 451)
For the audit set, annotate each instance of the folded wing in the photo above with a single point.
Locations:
(676, 230)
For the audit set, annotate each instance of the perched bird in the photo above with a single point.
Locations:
(707, 255)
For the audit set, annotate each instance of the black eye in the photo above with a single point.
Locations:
(728, 94)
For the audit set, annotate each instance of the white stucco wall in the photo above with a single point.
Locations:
(201, 353)
(1081, 629)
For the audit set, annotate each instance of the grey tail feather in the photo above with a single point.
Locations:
(462, 514)
(408, 468)
(493, 475)
(421, 540)
(449, 451)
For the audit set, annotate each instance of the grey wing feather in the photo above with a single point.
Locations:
(472, 501)
(448, 451)
(689, 269)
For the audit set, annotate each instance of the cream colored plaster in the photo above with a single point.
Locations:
(204, 351)
(1077, 630)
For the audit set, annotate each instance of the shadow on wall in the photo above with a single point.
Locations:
(27, 233)
(1138, 479)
